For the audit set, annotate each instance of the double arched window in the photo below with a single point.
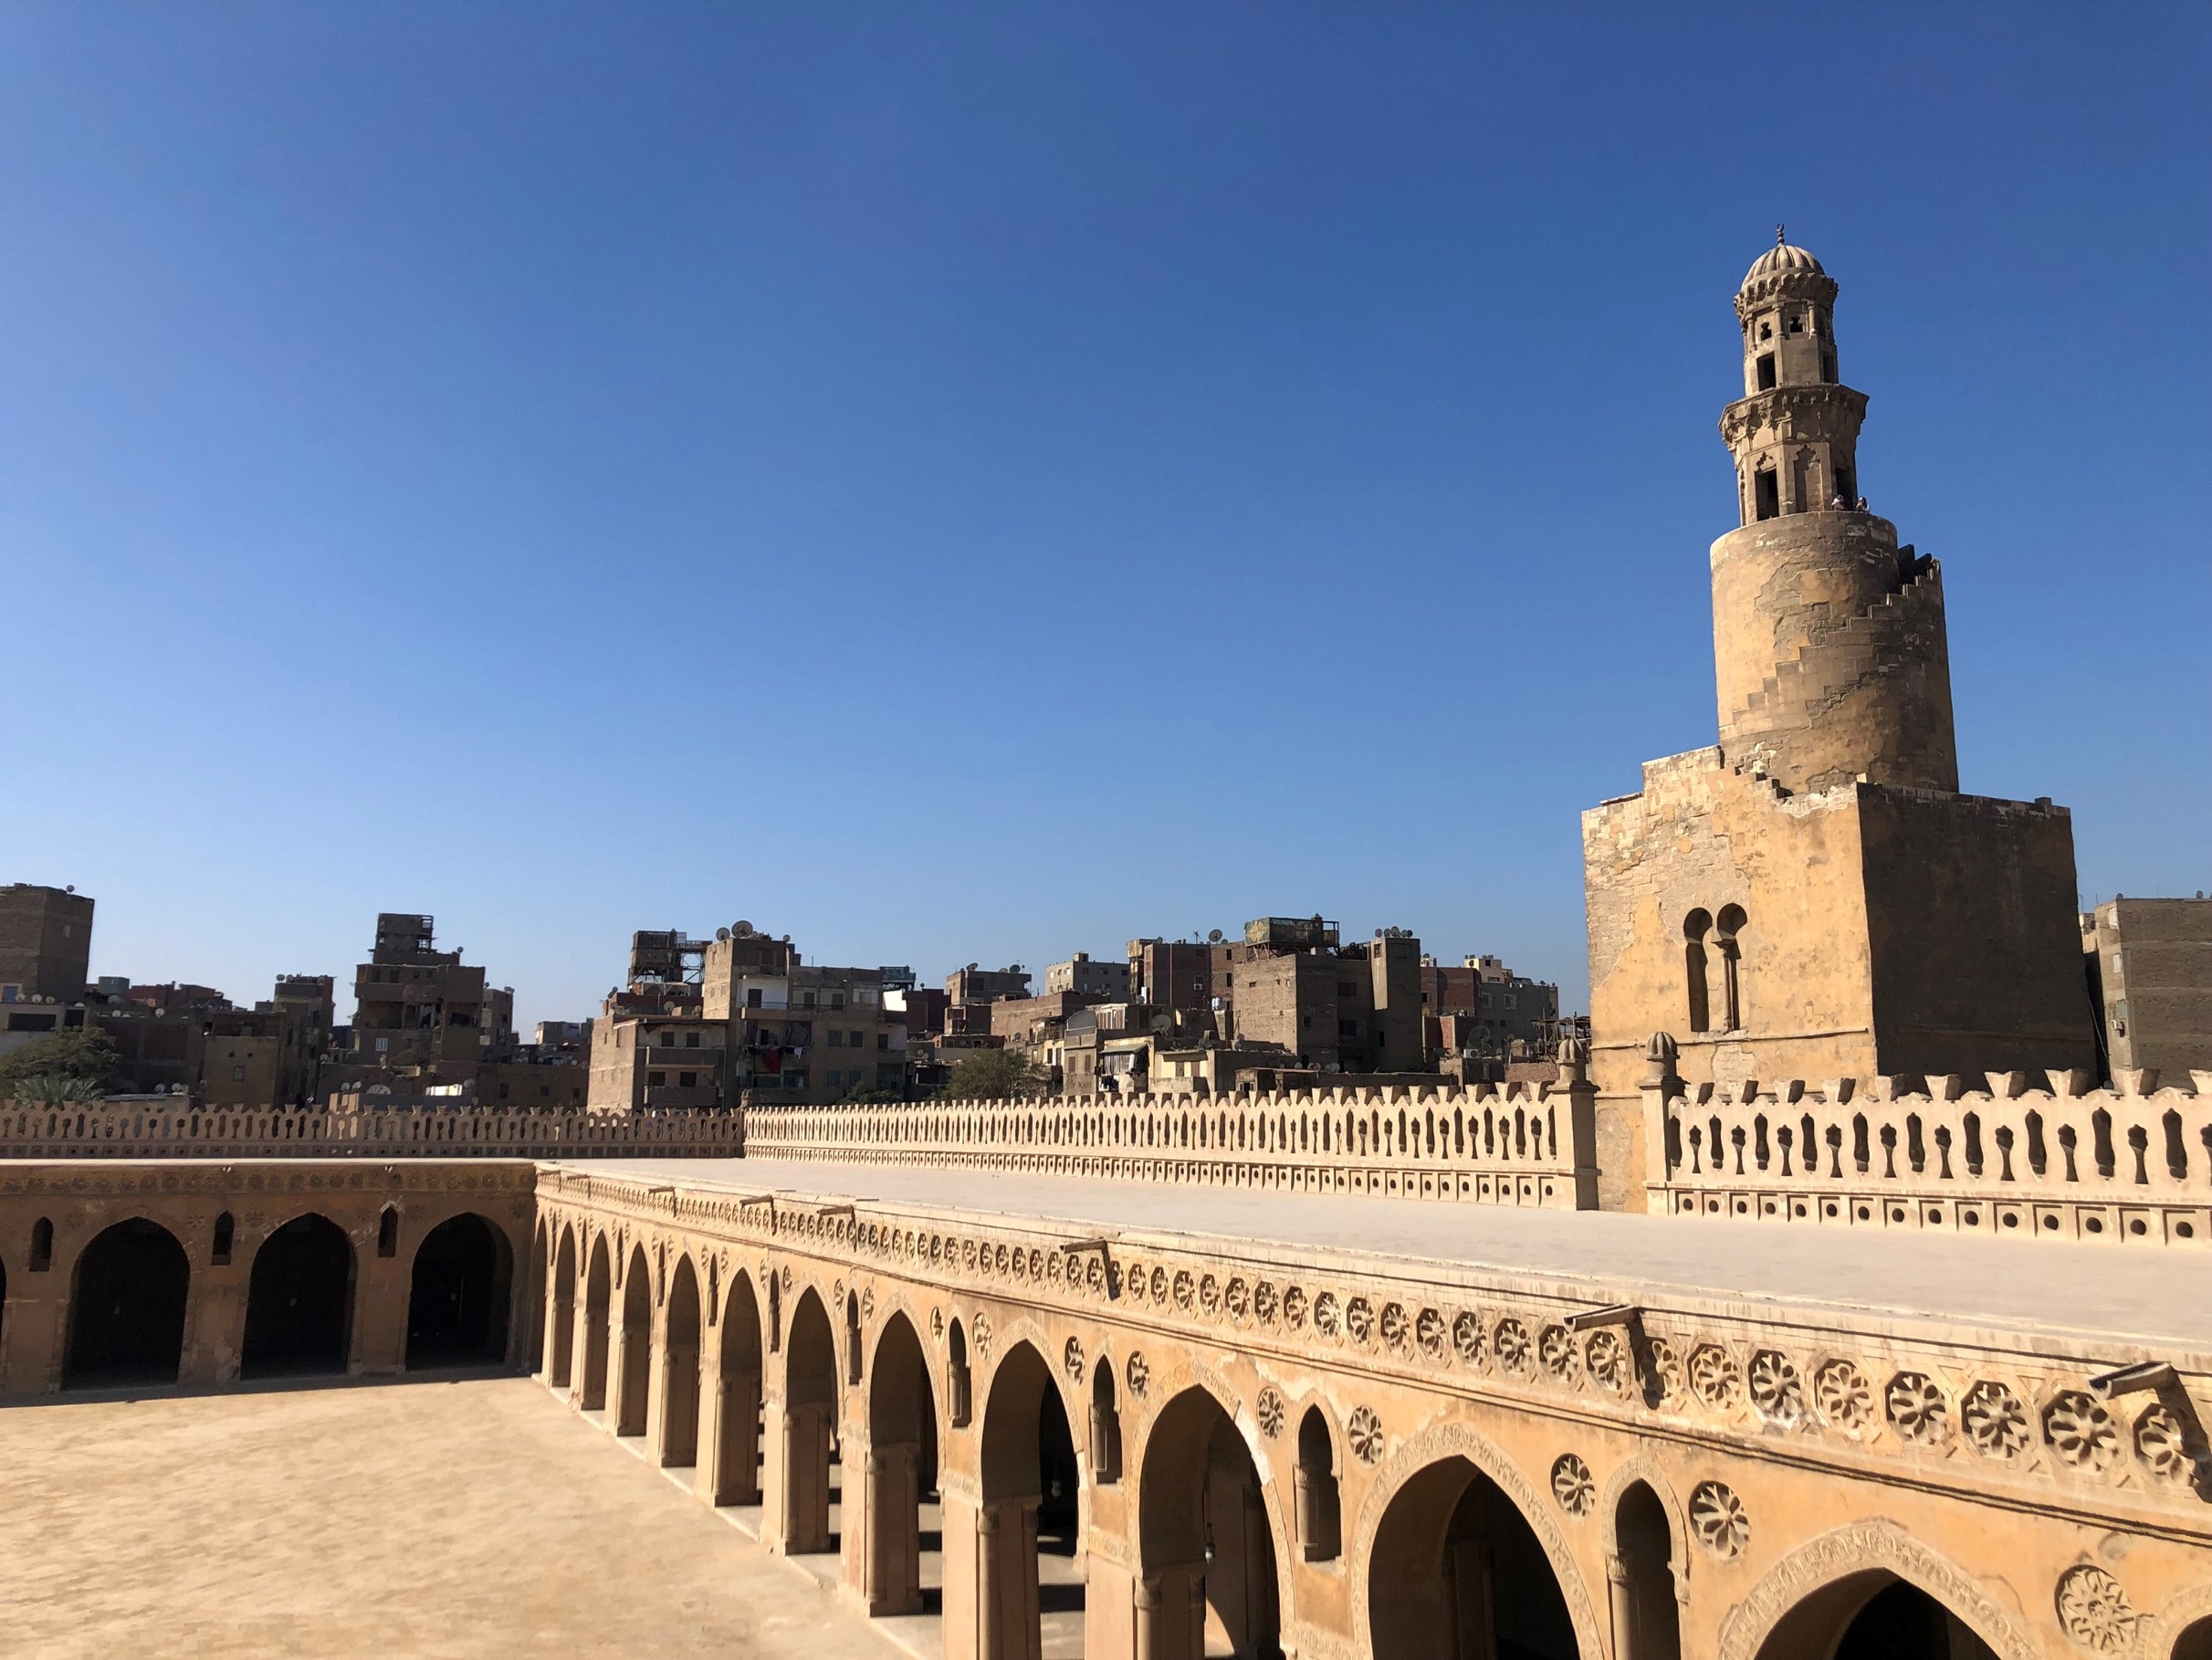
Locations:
(1725, 933)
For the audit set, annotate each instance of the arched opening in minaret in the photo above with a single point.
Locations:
(1694, 928)
(1766, 494)
(1729, 928)
(1765, 371)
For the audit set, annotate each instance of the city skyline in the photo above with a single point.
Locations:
(869, 482)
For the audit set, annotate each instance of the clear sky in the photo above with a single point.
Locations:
(972, 483)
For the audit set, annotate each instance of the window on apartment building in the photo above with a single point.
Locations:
(237, 1074)
(1347, 1029)
(752, 996)
(836, 1038)
(687, 1080)
(503, 1089)
(1345, 988)
(838, 1000)
(691, 1040)
(883, 1040)
(656, 1077)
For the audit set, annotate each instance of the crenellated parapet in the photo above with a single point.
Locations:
(2012, 1154)
(146, 1130)
(1521, 1144)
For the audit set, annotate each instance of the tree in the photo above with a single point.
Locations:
(75, 1065)
(989, 1075)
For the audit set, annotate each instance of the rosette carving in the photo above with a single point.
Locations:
(1571, 1485)
(1717, 1520)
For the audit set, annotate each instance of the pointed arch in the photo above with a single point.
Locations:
(901, 1469)
(128, 1293)
(562, 1351)
(1206, 1546)
(634, 1379)
(299, 1300)
(1821, 1586)
(1430, 1513)
(737, 1466)
(679, 1448)
(598, 1314)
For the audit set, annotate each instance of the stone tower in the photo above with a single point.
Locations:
(1812, 898)
(1828, 637)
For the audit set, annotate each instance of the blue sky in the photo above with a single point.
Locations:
(973, 483)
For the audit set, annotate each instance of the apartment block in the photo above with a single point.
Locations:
(2149, 964)
(416, 1007)
(45, 942)
(1088, 977)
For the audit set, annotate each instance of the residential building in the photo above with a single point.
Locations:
(974, 985)
(1490, 1006)
(1337, 1008)
(1088, 977)
(1183, 976)
(45, 942)
(416, 1007)
(2150, 968)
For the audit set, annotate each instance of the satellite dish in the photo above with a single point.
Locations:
(971, 968)
(1213, 936)
(742, 929)
(721, 934)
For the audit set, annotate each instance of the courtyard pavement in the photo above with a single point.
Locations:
(451, 1519)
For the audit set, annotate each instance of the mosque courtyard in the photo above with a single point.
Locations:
(444, 1519)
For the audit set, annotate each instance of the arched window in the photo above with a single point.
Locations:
(42, 1245)
(1729, 925)
(1694, 928)
(852, 1337)
(225, 1231)
(387, 1232)
(1106, 1425)
(959, 1393)
(1319, 1511)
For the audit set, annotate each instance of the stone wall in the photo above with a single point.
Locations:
(219, 1217)
(1502, 1144)
(154, 1128)
(2009, 1155)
